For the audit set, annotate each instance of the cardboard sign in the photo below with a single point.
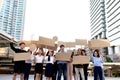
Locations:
(32, 47)
(81, 42)
(21, 56)
(63, 56)
(70, 44)
(52, 48)
(81, 60)
(46, 42)
(69, 51)
(98, 43)
(48, 47)
(55, 38)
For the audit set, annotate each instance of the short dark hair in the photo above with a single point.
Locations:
(21, 43)
(62, 46)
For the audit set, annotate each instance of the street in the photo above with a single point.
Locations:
(9, 77)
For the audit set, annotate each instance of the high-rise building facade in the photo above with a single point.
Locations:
(105, 21)
(97, 19)
(112, 8)
(12, 17)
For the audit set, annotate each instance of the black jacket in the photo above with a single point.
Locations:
(17, 50)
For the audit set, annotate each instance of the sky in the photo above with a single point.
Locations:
(66, 19)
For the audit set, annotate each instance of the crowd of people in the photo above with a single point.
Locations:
(54, 69)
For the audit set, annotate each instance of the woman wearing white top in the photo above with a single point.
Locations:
(28, 65)
(49, 59)
(39, 58)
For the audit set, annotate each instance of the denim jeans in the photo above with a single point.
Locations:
(62, 68)
(98, 72)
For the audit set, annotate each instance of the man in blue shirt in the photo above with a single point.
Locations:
(62, 65)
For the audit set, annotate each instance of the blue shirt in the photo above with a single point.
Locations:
(97, 61)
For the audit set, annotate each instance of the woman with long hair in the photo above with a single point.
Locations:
(39, 59)
(98, 65)
(49, 59)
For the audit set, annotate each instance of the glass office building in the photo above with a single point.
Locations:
(12, 17)
(97, 19)
(105, 22)
(113, 24)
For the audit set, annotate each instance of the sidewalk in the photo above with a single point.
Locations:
(9, 77)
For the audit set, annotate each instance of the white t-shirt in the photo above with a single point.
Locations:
(39, 59)
(31, 59)
(51, 59)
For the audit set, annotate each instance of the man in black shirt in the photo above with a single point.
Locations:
(19, 66)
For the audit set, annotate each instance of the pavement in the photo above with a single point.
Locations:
(9, 77)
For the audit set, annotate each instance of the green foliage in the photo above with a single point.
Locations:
(108, 59)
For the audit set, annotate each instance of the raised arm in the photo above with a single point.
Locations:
(89, 52)
(102, 58)
(12, 47)
(34, 59)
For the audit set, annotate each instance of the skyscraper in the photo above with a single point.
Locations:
(97, 19)
(12, 17)
(112, 8)
(105, 18)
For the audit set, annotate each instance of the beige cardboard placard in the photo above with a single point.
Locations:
(53, 48)
(48, 47)
(70, 44)
(69, 51)
(98, 43)
(21, 56)
(55, 38)
(46, 41)
(32, 47)
(81, 42)
(81, 60)
(63, 56)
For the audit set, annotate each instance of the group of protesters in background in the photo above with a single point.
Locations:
(54, 69)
